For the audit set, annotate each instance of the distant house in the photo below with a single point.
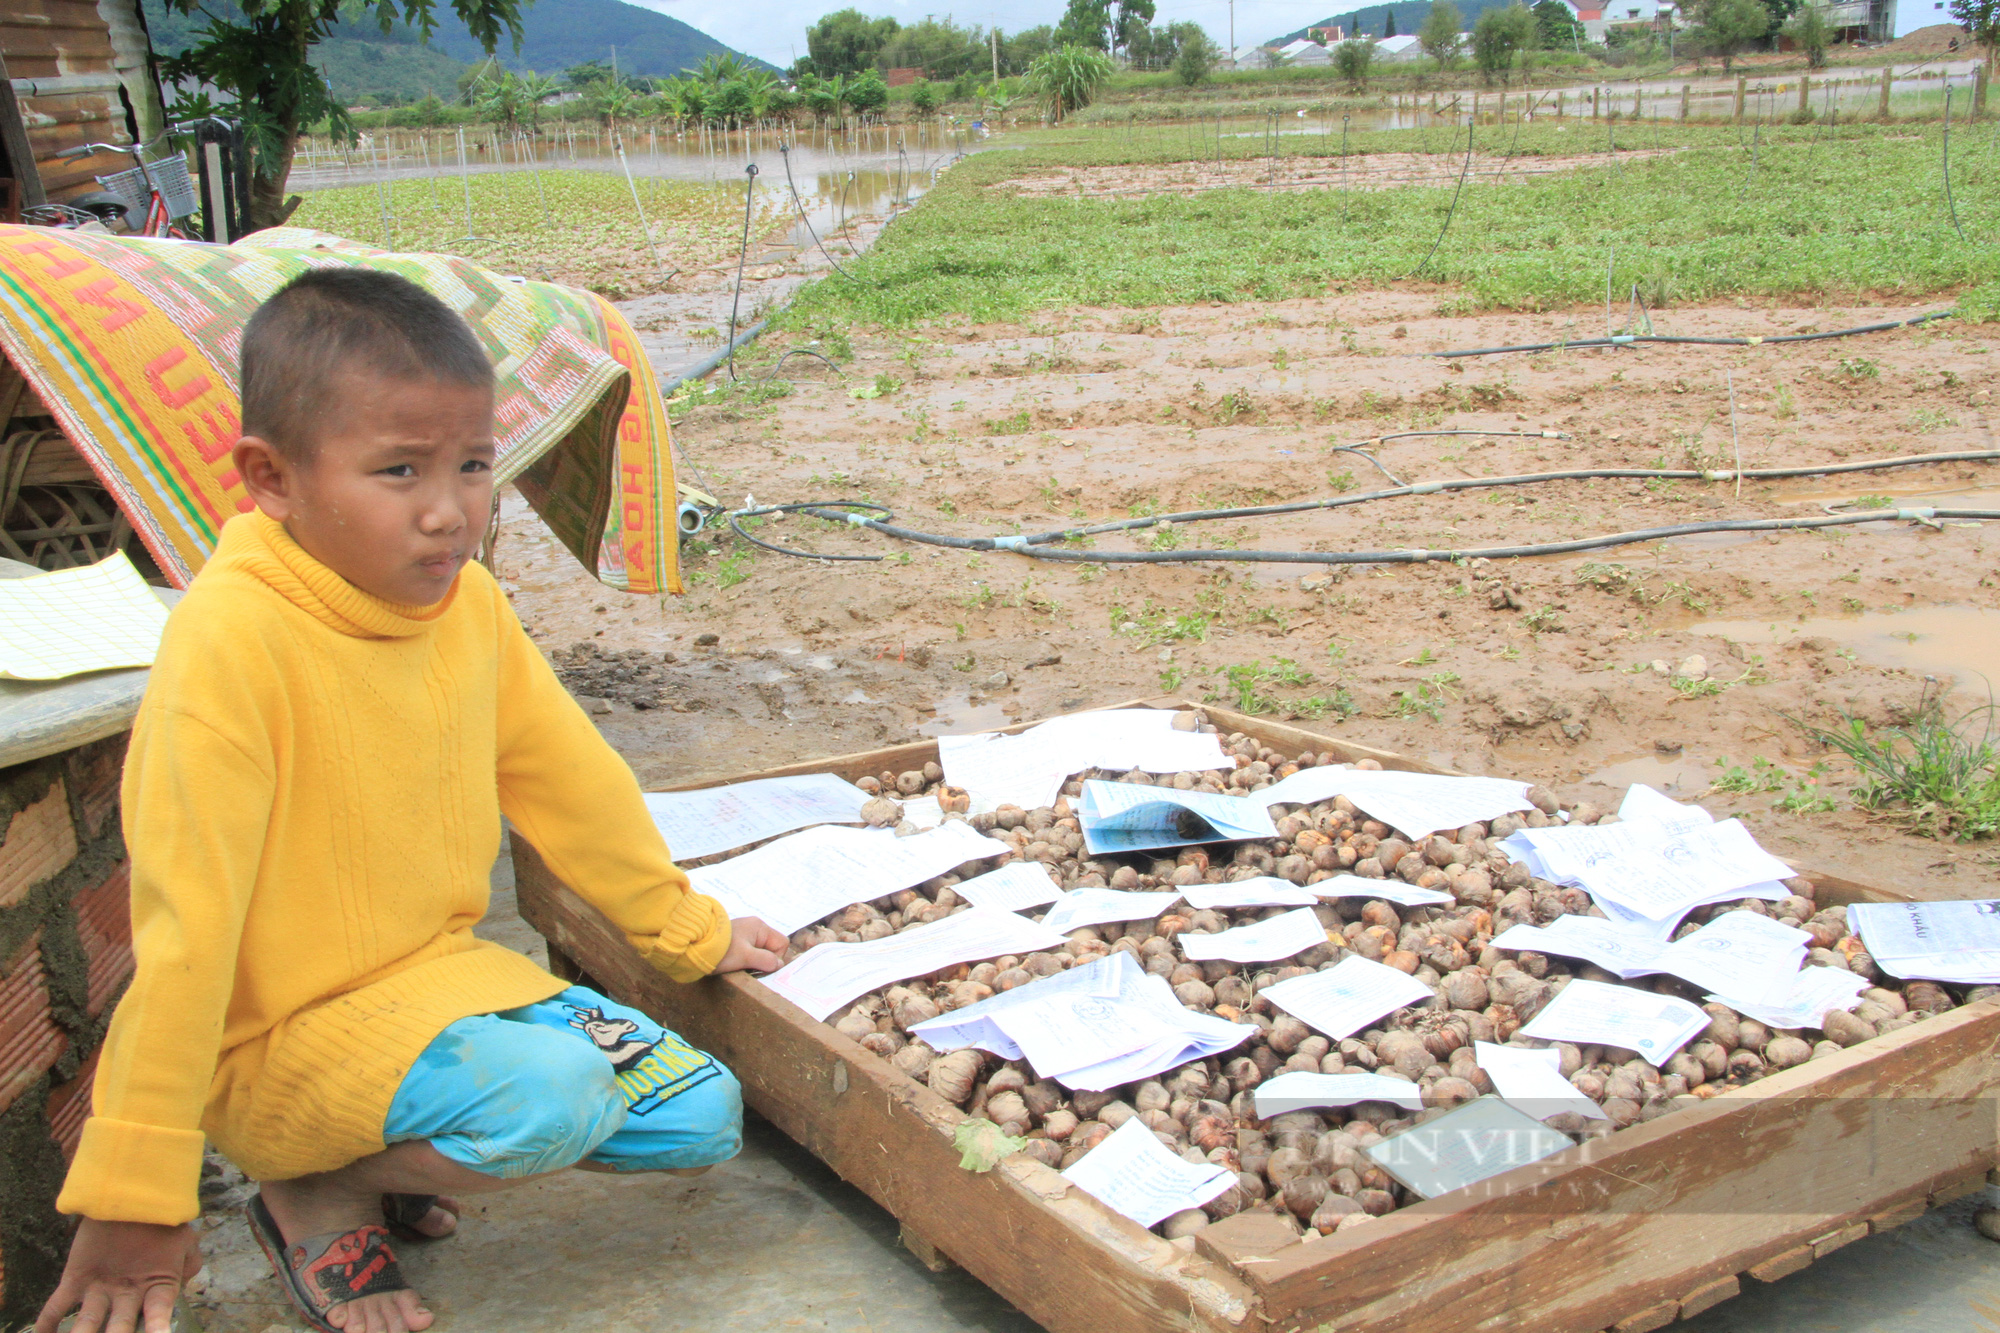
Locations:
(1398, 50)
(1327, 36)
(1599, 16)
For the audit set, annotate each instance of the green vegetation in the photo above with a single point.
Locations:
(1939, 776)
(1854, 213)
(1427, 698)
(1068, 79)
(1247, 682)
(594, 241)
(1159, 624)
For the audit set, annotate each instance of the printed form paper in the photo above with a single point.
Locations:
(1418, 804)
(1388, 890)
(1638, 1020)
(1533, 1081)
(1298, 1091)
(1260, 891)
(1956, 941)
(1644, 803)
(1480, 1139)
(1260, 942)
(1646, 868)
(1114, 976)
(1748, 953)
(825, 977)
(100, 617)
(1014, 887)
(716, 819)
(1059, 1033)
(1187, 1036)
(1029, 770)
(1133, 1174)
(795, 881)
(1805, 1005)
(1093, 907)
(1126, 817)
(1348, 996)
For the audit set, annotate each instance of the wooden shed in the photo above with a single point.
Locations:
(72, 72)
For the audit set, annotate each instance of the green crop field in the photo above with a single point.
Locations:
(1847, 212)
(575, 227)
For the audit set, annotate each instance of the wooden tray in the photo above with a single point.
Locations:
(1655, 1223)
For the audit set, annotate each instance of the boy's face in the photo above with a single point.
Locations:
(396, 495)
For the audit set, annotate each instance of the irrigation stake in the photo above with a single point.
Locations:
(1949, 203)
(639, 208)
(1609, 261)
(465, 178)
(749, 193)
(1734, 442)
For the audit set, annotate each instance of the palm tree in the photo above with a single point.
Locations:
(715, 69)
(535, 90)
(501, 100)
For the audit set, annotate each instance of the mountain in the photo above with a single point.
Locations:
(560, 33)
(1409, 18)
(363, 63)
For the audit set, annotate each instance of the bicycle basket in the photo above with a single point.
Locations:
(170, 175)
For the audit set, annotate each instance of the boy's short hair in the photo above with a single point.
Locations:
(331, 321)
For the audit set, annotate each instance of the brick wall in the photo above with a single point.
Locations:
(65, 957)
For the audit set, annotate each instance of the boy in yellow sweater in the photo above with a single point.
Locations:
(342, 709)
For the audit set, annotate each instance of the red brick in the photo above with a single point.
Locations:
(104, 921)
(95, 772)
(30, 1041)
(38, 842)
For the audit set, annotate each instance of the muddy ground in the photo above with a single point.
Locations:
(1572, 670)
(1370, 171)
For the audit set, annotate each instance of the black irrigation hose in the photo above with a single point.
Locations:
(1394, 480)
(1449, 212)
(800, 351)
(1484, 483)
(1403, 557)
(749, 198)
(785, 151)
(817, 510)
(1627, 339)
(1949, 203)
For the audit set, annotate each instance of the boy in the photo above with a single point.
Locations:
(341, 711)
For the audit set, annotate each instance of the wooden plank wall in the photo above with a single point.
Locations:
(67, 40)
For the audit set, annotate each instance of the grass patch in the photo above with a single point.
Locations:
(1856, 213)
(1939, 776)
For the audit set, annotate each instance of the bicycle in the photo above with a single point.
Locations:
(150, 199)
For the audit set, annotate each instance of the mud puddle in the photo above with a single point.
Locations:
(1959, 641)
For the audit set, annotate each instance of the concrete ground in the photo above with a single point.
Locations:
(774, 1240)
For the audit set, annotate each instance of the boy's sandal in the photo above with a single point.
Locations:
(321, 1272)
(402, 1212)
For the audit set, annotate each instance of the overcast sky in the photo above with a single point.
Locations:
(775, 29)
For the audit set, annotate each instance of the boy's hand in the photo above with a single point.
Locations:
(124, 1275)
(753, 947)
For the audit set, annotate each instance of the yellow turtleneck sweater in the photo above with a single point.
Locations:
(312, 803)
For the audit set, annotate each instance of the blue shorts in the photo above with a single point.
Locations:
(543, 1087)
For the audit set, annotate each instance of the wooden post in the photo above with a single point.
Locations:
(1475, 108)
(1741, 83)
(1560, 98)
(1805, 90)
(1979, 91)
(1593, 104)
(1638, 104)
(1888, 77)
(1687, 90)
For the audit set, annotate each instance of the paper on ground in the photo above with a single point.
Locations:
(828, 976)
(1644, 803)
(1133, 1174)
(1638, 1020)
(795, 881)
(1805, 1005)
(1259, 942)
(1299, 1091)
(1418, 804)
(924, 812)
(1126, 817)
(1348, 996)
(1190, 1036)
(1115, 975)
(715, 819)
(1388, 890)
(1093, 907)
(1750, 954)
(1649, 869)
(1533, 1081)
(1014, 887)
(1661, 929)
(1480, 1139)
(1028, 770)
(96, 618)
(1955, 941)
(1260, 891)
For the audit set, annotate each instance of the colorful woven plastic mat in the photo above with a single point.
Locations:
(132, 344)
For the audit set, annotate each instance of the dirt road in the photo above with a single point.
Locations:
(1575, 670)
